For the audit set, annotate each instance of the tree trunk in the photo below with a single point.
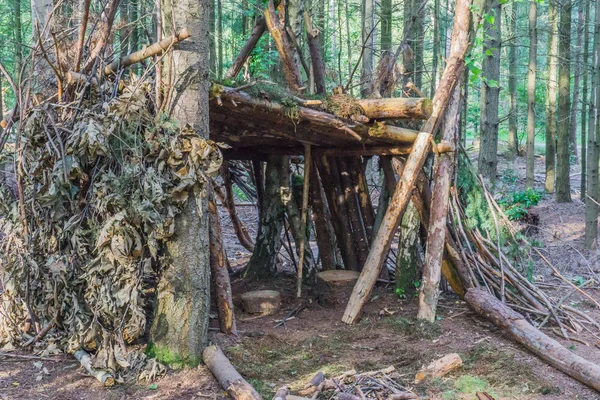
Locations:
(436, 46)
(268, 240)
(563, 183)
(316, 56)
(218, 265)
(591, 207)
(228, 201)
(407, 260)
(577, 80)
(585, 100)
(519, 329)
(219, 39)
(531, 72)
(436, 232)
(18, 32)
(386, 25)
(180, 327)
(551, 93)
(490, 90)
(368, 26)
(513, 141)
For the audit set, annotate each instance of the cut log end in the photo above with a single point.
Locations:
(335, 286)
(264, 302)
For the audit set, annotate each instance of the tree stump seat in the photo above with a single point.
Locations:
(264, 302)
(334, 287)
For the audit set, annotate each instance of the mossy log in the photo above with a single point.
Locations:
(397, 108)
(229, 379)
(334, 286)
(264, 302)
(518, 328)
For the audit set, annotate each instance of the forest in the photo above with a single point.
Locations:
(300, 199)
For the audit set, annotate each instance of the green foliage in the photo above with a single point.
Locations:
(415, 329)
(516, 204)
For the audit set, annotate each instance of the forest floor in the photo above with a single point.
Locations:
(317, 340)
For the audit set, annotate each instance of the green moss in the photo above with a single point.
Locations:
(415, 329)
(342, 106)
(170, 358)
(470, 384)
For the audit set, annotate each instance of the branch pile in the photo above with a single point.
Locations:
(84, 225)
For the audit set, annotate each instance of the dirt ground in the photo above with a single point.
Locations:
(317, 340)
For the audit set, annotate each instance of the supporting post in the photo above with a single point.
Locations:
(305, 187)
(403, 192)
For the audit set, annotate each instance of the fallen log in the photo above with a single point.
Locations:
(147, 52)
(519, 329)
(397, 107)
(102, 376)
(229, 379)
(440, 367)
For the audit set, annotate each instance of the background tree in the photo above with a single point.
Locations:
(531, 71)
(563, 180)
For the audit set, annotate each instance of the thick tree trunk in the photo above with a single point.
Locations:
(268, 239)
(563, 180)
(218, 265)
(326, 240)
(591, 207)
(436, 232)
(316, 56)
(407, 260)
(416, 159)
(519, 329)
(551, 93)
(490, 91)
(513, 141)
(531, 71)
(180, 327)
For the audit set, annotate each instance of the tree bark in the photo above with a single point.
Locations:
(551, 93)
(402, 194)
(519, 329)
(490, 91)
(531, 72)
(220, 274)
(513, 141)
(316, 56)
(180, 327)
(577, 80)
(268, 240)
(585, 100)
(591, 207)
(368, 26)
(563, 180)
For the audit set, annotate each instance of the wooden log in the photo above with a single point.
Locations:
(403, 396)
(264, 302)
(402, 194)
(281, 393)
(393, 134)
(220, 273)
(325, 236)
(147, 52)
(102, 376)
(229, 379)
(361, 188)
(397, 108)
(436, 232)
(289, 66)
(334, 287)
(519, 329)
(304, 217)
(440, 367)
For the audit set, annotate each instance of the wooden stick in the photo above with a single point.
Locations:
(305, 188)
(231, 381)
(533, 339)
(147, 52)
(102, 376)
(81, 37)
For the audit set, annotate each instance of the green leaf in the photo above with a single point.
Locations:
(153, 386)
(492, 83)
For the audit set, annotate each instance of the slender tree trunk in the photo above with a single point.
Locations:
(180, 328)
(490, 90)
(563, 184)
(436, 46)
(18, 32)
(220, 39)
(386, 25)
(585, 100)
(321, 216)
(531, 72)
(577, 79)
(552, 91)
(332, 30)
(268, 239)
(418, 43)
(591, 207)
(513, 142)
(408, 60)
(134, 38)
(366, 87)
